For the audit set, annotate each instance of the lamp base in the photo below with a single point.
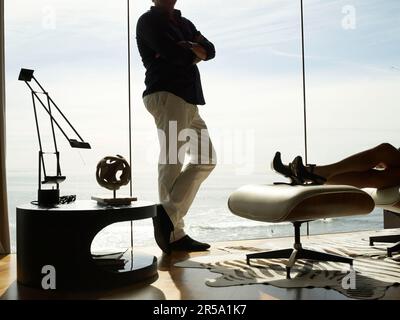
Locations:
(48, 198)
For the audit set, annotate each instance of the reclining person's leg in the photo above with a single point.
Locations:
(380, 179)
(384, 154)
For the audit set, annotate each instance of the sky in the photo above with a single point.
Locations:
(253, 87)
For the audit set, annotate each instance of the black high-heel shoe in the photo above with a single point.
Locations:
(306, 173)
(284, 170)
(279, 167)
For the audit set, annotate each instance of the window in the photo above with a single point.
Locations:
(78, 52)
(253, 91)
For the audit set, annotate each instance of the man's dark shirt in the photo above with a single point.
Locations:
(169, 66)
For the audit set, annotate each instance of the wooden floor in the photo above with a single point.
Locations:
(179, 283)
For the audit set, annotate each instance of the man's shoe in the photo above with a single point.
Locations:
(162, 229)
(188, 244)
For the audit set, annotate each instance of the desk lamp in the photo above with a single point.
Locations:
(49, 197)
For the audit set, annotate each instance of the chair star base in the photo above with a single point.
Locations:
(298, 252)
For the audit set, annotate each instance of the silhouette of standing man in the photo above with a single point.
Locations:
(171, 47)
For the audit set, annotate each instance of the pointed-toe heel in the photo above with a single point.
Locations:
(279, 167)
(285, 170)
(306, 173)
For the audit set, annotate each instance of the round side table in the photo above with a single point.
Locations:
(61, 237)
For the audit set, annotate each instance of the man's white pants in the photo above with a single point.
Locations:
(187, 156)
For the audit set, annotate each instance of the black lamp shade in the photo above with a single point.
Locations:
(25, 75)
(79, 144)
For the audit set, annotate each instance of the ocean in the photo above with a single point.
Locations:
(209, 218)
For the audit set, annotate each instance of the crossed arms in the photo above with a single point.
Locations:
(182, 53)
(197, 48)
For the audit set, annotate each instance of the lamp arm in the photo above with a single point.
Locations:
(62, 114)
(45, 108)
(36, 122)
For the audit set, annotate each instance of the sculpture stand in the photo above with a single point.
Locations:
(107, 176)
(114, 201)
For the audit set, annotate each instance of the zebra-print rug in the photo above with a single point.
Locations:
(372, 275)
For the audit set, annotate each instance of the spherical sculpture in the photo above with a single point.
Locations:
(113, 172)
